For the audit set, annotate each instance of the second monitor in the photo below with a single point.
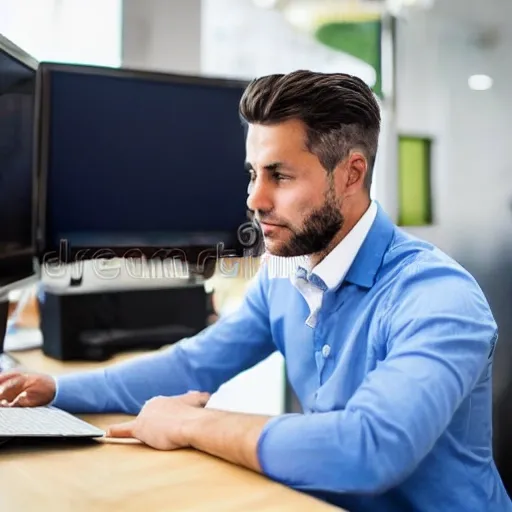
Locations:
(134, 162)
(17, 91)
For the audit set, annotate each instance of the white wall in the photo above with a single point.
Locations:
(162, 35)
(472, 189)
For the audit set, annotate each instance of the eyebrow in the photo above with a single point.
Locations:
(272, 167)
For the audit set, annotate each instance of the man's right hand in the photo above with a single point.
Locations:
(19, 389)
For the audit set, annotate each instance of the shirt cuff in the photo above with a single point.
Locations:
(56, 384)
(278, 442)
(81, 393)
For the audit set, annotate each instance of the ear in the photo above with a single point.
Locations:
(356, 169)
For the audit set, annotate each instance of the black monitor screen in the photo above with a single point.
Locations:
(141, 160)
(17, 88)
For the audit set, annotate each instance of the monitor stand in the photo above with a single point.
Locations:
(7, 362)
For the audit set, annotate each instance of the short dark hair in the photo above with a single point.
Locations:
(340, 112)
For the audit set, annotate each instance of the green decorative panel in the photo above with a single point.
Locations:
(359, 39)
(414, 181)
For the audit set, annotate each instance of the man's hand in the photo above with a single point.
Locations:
(19, 389)
(163, 421)
(182, 422)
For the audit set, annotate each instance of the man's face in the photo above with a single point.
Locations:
(291, 195)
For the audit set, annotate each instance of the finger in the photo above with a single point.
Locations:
(6, 376)
(10, 389)
(122, 429)
(20, 401)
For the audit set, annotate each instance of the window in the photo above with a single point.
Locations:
(71, 31)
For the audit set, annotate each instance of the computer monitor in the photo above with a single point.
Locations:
(135, 163)
(17, 90)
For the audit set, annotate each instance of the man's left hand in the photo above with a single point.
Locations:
(163, 421)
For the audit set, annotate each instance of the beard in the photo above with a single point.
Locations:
(316, 233)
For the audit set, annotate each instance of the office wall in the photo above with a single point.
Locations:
(471, 164)
(162, 35)
(242, 40)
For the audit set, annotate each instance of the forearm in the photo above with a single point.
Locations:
(125, 387)
(231, 436)
(332, 452)
(201, 363)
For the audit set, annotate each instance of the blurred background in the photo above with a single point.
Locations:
(442, 73)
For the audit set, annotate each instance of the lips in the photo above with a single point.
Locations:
(270, 229)
(269, 224)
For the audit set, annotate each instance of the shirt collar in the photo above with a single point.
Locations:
(334, 267)
(358, 257)
(368, 261)
(368, 242)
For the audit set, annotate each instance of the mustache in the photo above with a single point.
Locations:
(259, 217)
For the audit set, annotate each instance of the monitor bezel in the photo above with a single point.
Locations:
(28, 255)
(7, 46)
(43, 246)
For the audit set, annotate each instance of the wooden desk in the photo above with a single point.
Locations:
(127, 476)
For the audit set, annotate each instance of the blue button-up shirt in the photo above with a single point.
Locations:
(394, 379)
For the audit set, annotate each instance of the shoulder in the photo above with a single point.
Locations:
(412, 261)
(426, 282)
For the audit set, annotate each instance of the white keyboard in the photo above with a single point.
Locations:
(43, 422)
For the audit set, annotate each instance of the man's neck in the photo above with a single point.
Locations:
(350, 219)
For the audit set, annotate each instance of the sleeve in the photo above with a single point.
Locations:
(203, 362)
(440, 337)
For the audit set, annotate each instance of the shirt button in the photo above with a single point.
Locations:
(326, 350)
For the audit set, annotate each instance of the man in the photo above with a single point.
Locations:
(388, 342)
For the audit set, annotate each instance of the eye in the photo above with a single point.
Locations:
(277, 176)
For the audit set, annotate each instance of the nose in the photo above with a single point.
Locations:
(259, 195)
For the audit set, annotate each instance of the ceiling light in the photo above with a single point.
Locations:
(480, 82)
